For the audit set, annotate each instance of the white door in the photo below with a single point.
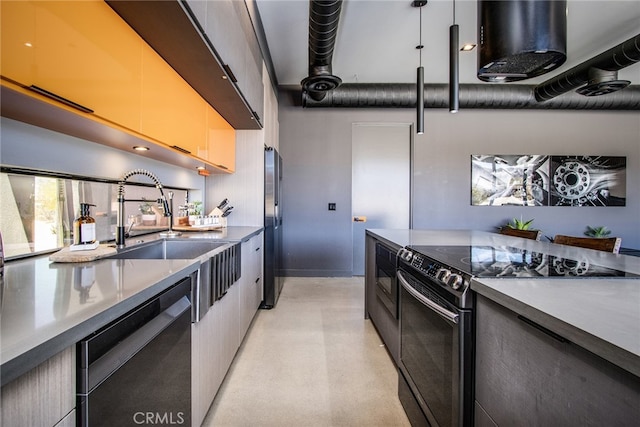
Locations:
(381, 181)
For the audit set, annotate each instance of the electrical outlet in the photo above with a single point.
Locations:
(332, 206)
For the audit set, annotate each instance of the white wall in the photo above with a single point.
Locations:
(316, 146)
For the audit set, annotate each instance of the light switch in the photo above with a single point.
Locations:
(332, 206)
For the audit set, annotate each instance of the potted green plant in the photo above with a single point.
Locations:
(197, 208)
(148, 215)
(195, 211)
(519, 228)
(598, 232)
(519, 224)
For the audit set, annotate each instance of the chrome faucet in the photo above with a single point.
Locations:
(120, 227)
(170, 232)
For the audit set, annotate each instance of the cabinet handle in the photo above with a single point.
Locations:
(257, 280)
(59, 98)
(221, 166)
(257, 249)
(543, 329)
(227, 69)
(181, 149)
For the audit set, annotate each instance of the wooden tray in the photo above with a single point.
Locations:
(66, 255)
(198, 228)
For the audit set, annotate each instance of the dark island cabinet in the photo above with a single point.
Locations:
(386, 324)
(527, 375)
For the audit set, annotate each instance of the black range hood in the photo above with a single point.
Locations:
(520, 39)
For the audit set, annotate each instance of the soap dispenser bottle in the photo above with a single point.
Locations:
(84, 227)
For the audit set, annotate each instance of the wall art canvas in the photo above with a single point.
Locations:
(545, 180)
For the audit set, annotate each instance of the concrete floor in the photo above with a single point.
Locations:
(311, 361)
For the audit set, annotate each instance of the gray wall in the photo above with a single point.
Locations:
(316, 148)
(33, 147)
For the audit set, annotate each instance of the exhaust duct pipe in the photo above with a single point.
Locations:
(472, 96)
(324, 16)
(593, 71)
(602, 82)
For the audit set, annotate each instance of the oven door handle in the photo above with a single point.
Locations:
(443, 312)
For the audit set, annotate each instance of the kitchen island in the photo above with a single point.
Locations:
(597, 320)
(601, 314)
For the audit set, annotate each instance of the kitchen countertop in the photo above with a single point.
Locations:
(47, 306)
(600, 315)
(404, 237)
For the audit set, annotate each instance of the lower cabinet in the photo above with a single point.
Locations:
(217, 337)
(44, 396)
(387, 325)
(527, 375)
(251, 282)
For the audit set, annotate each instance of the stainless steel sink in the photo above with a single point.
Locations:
(168, 249)
(218, 269)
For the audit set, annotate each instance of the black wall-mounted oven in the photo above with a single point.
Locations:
(386, 282)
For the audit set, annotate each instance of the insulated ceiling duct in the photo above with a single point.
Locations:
(472, 96)
(520, 39)
(324, 16)
(598, 73)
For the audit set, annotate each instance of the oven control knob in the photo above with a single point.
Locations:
(455, 281)
(443, 274)
(405, 254)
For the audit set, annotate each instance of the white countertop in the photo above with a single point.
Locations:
(600, 315)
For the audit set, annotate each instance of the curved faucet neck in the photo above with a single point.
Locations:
(120, 227)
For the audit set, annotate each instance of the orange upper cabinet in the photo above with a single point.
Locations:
(80, 51)
(221, 142)
(83, 54)
(172, 112)
(18, 41)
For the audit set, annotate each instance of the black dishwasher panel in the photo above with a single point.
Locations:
(137, 370)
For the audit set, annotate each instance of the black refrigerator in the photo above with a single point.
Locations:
(273, 228)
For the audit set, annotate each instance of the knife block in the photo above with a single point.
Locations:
(222, 221)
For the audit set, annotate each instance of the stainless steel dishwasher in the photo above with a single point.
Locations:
(137, 370)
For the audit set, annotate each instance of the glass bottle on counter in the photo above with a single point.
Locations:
(84, 227)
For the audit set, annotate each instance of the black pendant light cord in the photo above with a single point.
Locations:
(420, 46)
(420, 81)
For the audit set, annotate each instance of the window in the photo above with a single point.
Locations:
(37, 212)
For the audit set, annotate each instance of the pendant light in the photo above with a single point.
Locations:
(420, 77)
(454, 66)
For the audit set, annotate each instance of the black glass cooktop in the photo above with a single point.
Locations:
(511, 262)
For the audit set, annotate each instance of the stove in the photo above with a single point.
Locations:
(437, 308)
(511, 262)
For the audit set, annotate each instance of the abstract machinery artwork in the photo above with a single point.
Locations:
(544, 180)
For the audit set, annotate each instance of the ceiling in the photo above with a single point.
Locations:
(377, 39)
